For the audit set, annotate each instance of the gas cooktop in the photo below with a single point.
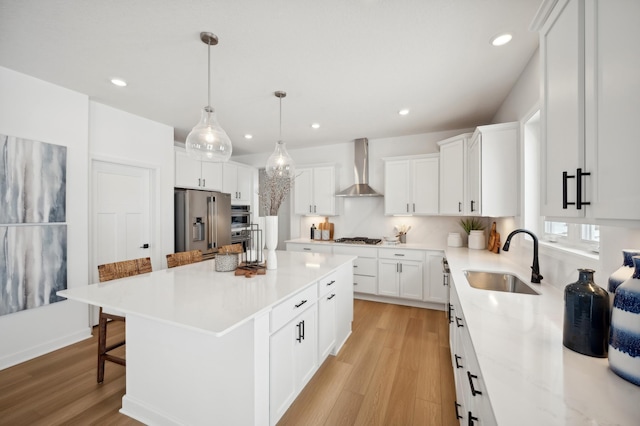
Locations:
(359, 240)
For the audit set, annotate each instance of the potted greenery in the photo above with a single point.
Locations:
(474, 228)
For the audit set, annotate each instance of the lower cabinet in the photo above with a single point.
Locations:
(438, 284)
(472, 404)
(293, 359)
(326, 324)
(400, 273)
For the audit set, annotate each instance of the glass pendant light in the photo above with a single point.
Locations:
(280, 162)
(207, 141)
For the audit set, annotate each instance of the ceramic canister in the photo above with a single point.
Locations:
(624, 338)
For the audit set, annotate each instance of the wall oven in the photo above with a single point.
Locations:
(240, 217)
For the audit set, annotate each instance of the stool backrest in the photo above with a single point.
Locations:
(183, 258)
(126, 268)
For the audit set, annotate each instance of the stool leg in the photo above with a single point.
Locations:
(102, 345)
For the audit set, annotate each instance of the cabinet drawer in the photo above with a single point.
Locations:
(365, 266)
(309, 248)
(364, 284)
(292, 306)
(327, 284)
(400, 254)
(355, 251)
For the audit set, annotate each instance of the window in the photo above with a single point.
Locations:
(576, 235)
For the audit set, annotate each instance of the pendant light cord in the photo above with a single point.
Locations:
(280, 119)
(209, 74)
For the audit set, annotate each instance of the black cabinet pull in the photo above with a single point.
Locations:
(332, 296)
(301, 303)
(414, 207)
(474, 392)
(299, 327)
(302, 336)
(458, 322)
(471, 419)
(450, 311)
(458, 416)
(407, 207)
(472, 208)
(399, 254)
(306, 248)
(459, 206)
(579, 202)
(457, 358)
(565, 177)
(445, 279)
(331, 283)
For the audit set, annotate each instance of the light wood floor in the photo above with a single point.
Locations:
(395, 369)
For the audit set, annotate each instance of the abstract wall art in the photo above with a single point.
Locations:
(33, 179)
(33, 266)
(33, 236)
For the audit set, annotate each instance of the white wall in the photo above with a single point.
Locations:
(365, 216)
(37, 110)
(121, 137)
(524, 94)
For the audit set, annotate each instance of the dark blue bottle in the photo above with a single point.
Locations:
(586, 316)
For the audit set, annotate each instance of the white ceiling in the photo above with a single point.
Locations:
(349, 65)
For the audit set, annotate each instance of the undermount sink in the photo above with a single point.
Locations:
(498, 281)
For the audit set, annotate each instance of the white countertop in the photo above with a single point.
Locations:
(531, 378)
(409, 246)
(198, 297)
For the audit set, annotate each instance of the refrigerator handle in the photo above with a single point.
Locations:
(211, 218)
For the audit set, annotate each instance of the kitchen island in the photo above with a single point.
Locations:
(199, 341)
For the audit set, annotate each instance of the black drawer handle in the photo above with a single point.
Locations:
(565, 177)
(331, 297)
(579, 202)
(474, 392)
(457, 358)
(471, 419)
(331, 283)
(450, 312)
(458, 416)
(306, 248)
(301, 303)
(398, 254)
(299, 327)
(458, 322)
(355, 266)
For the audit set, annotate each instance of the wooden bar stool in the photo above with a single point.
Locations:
(108, 272)
(183, 258)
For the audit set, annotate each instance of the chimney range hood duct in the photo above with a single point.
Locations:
(361, 170)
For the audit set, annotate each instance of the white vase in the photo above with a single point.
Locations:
(271, 240)
(476, 240)
(263, 241)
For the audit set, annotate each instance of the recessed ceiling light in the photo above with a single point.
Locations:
(248, 136)
(315, 126)
(501, 39)
(118, 82)
(403, 111)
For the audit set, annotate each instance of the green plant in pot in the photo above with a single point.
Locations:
(471, 224)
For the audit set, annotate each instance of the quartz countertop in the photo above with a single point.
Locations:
(197, 297)
(530, 377)
(409, 246)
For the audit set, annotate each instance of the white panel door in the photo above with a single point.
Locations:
(121, 217)
(397, 187)
(425, 186)
(324, 190)
(452, 178)
(302, 191)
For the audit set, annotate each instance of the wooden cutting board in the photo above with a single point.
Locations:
(494, 239)
(250, 271)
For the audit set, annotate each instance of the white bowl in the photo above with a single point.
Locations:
(391, 239)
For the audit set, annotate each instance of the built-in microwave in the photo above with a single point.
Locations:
(240, 216)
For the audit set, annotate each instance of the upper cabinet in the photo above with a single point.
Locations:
(492, 166)
(314, 191)
(237, 180)
(411, 185)
(453, 174)
(590, 100)
(192, 173)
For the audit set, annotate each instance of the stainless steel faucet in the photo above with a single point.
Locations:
(535, 268)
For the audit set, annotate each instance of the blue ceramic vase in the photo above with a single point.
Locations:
(625, 271)
(586, 316)
(624, 339)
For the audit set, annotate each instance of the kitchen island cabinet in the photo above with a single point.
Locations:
(199, 341)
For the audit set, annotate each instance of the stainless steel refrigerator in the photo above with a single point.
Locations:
(202, 220)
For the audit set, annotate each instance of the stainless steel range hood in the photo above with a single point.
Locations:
(361, 170)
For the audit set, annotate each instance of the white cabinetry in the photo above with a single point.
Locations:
(293, 357)
(310, 247)
(328, 291)
(411, 185)
(400, 273)
(237, 180)
(492, 166)
(472, 403)
(437, 286)
(314, 191)
(192, 173)
(365, 267)
(590, 101)
(452, 174)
